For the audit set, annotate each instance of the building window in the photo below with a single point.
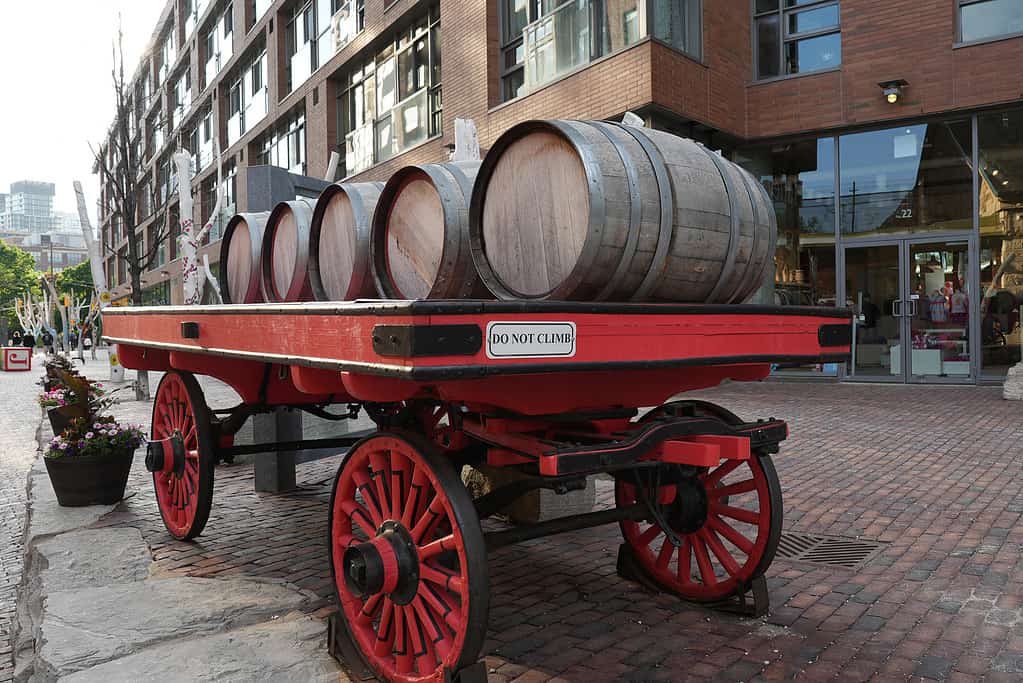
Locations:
(285, 146)
(908, 179)
(1000, 163)
(796, 36)
(392, 102)
(542, 40)
(247, 97)
(982, 19)
(300, 36)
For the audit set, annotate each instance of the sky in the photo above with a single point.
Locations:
(56, 93)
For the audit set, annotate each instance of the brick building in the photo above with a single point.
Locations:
(889, 134)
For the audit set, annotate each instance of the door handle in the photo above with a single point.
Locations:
(897, 308)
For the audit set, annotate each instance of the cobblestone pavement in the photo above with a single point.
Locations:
(19, 420)
(931, 473)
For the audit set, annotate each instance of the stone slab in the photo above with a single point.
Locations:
(85, 627)
(288, 649)
(46, 517)
(93, 557)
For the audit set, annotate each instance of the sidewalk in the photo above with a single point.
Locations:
(927, 476)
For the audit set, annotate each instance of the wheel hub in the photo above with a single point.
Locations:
(688, 512)
(166, 455)
(388, 563)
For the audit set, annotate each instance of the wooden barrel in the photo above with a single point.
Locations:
(339, 264)
(239, 258)
(595, 211)
(285, 257)
(419, 242)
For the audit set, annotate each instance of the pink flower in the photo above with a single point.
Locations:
(89, 435)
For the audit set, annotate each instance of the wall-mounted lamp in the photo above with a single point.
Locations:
(892, 89)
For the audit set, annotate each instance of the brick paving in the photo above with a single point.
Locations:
(19, 420)
(932, 472)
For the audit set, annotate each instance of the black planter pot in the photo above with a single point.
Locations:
(90, 480)
(58, 420)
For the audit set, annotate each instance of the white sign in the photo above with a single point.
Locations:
(530, 340)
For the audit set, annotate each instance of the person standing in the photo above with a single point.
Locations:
(16, 338)
(47, 342)
(28, 340)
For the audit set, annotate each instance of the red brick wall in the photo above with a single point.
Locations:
(909, 39)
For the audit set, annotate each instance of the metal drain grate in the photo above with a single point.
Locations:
(835, 551)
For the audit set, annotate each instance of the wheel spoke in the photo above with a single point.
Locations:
(720, 552)
(703, 561)
(685, 556)
(667, 551)
(369, 608)
(449, 582)
(733, 489)
(379, 474)
(437, 547)
(369, 497)
(399, 485)
(717, 475)
(358, 514)
(645, 538)
(740, 514)
(402, 647)
(730, 534)
(424, 661)
(433, 513)
(417, 491)
(385, 634)
(441, 609)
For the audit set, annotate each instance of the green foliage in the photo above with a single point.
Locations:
(76, 280)
(18, 275)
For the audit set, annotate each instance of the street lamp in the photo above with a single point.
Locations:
(892, 89)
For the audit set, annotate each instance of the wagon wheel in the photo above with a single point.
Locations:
(727, 523)
(181, 455)
(408, 559)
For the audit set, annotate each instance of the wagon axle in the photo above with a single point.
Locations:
(166, 455)
(386, 564)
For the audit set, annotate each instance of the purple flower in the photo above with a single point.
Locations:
(89, 435)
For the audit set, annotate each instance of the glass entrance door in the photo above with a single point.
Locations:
(937, 311)
(913, 318)
(874, 291)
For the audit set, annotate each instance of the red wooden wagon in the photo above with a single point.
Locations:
(549, 389)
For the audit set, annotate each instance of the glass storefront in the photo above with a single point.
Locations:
(886, 221)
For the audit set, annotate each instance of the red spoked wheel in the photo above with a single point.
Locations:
(181, 455)
(408, 559)
(723, 526)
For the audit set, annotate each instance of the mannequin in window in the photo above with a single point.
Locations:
(959, 308)
(937, 307)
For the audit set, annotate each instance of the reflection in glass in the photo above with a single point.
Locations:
(800, 177)
(768, 37)
(813, 54)
(813, 19)
(907, 179)
(1001, 239)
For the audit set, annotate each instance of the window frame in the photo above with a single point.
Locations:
(785, 37)
(960, 4)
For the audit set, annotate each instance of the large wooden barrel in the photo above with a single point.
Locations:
(420, 237)
(339, 264)
(239, 258)
(285, 257)
(600, 211)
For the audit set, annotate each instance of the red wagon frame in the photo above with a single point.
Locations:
(550, 389)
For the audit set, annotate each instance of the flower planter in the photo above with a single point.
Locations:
(90, 480)
(58, 420)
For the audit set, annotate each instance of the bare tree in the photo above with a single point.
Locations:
(120, 167)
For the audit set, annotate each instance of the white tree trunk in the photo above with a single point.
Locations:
(193, 275)
(99, 279)
(59, 304)
(467, 142)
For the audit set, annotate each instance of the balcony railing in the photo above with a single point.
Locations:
(226, 47)
(212, 68)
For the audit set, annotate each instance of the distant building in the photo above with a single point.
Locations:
(27, 220)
